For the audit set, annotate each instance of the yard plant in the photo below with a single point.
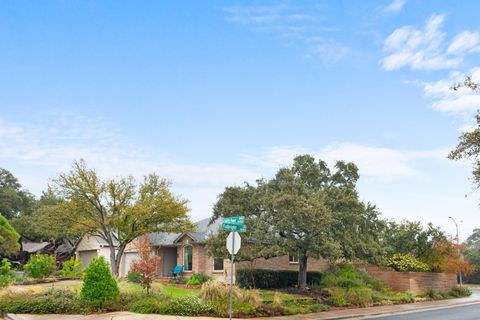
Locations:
(99, 287)
(40, 266)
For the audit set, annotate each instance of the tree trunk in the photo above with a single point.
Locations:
(113, 262)
(118, 259)
(302, 272)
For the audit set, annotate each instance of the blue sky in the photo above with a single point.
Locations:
(211, 94)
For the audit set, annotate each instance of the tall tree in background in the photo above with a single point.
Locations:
(14, 201)
(118, 210)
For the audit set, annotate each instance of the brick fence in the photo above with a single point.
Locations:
(415, 282)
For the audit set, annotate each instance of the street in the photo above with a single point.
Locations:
(469, 312)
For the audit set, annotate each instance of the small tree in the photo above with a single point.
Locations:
(146, 266)
(40, 266)
(99, 287)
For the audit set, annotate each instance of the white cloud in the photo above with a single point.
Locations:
(461, 102)
(291, 24)
(427, 48)
(464, 42)
(395, 6)
(36, 151)
(379, 163)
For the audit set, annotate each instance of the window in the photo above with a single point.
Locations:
(218, 264)
(187, 258)
(293, 259)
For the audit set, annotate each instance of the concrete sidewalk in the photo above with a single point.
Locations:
(327, 315)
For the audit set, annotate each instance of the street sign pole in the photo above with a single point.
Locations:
(231, 274)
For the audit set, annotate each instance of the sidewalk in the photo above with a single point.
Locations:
(328, 315)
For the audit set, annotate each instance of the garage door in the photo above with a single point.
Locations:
(87, 256)
(129, 257)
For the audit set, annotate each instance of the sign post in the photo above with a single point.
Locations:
(234, 242)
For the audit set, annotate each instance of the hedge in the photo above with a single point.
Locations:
(273, 279)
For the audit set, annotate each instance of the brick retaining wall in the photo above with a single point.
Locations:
(415, 282)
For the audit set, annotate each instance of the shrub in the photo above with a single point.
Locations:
(458, 292)
(186, 306)
(359, 296)
(134, 277)
(7, 276)
(347, 271)
(338, 297)
(273, 279)
(198, 278)
(148, 305)
(432, 294)
(407, 262)
(99, 287)
(348, 283)
(40, 266)
(45, 302)
(70, 269)
(374, 283)
(404, 297)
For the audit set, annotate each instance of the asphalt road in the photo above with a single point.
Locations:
(470, 312)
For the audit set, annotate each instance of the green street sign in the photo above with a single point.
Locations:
(234, 220)
(234, 227)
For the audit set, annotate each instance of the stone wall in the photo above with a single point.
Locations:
(415, 282)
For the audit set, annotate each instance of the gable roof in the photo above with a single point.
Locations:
(203, 230)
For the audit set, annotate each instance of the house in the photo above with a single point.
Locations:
(187, 250)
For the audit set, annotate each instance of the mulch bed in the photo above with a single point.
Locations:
(317, 293)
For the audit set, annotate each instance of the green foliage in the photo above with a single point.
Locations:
(134, 277)
(9, 238)
(273, 279)
(338, 297)
(120, 206)
(407, 262)
(99, 287)
(14, 201)
(70, 269)
(410, 237)
(7, 276)
(198, 278)
(359, 296)
(146, 306)
(187, 306)
(458, 292)
(403, 297)
(40, 266)
(51, 301)
(310, 200)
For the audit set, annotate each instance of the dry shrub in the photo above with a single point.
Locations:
(277, 299)
(215, 290)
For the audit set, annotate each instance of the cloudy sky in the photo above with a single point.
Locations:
(211, 94)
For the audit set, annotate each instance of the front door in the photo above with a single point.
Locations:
(169, 259)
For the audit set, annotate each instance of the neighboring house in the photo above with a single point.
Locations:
(187, 250)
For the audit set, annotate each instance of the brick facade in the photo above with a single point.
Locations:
(283, 263)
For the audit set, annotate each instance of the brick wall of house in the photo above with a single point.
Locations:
(282, 263)
(416, 282)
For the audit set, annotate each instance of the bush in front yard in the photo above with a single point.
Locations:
(40, 266)
(70, 269)
(186, 306)
(198, 278)
(99, 287)
(50, 301)
(6, 274)
(273, 279)
(458, 292)
(407, 262)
